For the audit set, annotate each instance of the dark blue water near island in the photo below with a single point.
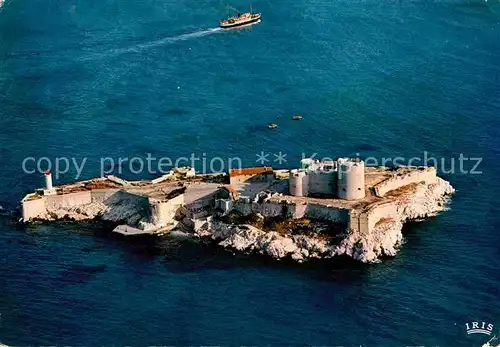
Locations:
(82, 79)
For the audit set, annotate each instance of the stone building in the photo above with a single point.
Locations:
(343, 178)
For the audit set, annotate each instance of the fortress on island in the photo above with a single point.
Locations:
(369, 203)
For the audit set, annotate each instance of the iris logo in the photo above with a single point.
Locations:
(479, 328)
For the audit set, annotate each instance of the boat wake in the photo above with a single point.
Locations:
(141, 47)
(493, 342)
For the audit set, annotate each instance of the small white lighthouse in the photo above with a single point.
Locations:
(49, 189)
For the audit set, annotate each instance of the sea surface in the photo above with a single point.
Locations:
(112, 79)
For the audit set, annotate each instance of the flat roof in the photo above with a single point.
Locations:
(250, 171)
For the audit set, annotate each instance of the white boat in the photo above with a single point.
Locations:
(240, 20)
(493, 342)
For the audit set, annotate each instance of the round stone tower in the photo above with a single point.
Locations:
(298, 183)
(351, 179)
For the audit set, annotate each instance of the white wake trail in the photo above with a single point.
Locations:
(148, 45)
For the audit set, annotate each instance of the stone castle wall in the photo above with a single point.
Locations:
(68, 200)
(33, 208)
(427, 175)
(333, 214)
(363, 222)
(385, 210)
(164, 212)
(275, 209)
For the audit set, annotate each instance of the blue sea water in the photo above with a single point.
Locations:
(126, 78)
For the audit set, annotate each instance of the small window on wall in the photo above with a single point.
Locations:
(343, 189)
(359, 188)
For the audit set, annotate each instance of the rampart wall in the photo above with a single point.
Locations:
(333, 214)
(164, 212)
(33, 209)
(68, 200)
(201, 207)
(399, 180)
(275, 209)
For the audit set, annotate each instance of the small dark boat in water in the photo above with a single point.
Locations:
(297, 117)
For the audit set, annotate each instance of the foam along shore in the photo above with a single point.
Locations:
(313, 212)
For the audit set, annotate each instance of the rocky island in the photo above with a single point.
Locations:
(318, 211)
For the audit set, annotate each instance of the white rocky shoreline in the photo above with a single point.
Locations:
(273, 223)
(385, 239)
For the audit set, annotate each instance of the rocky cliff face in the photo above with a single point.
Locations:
(383, 240)
(247, 238)
(426, 201)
